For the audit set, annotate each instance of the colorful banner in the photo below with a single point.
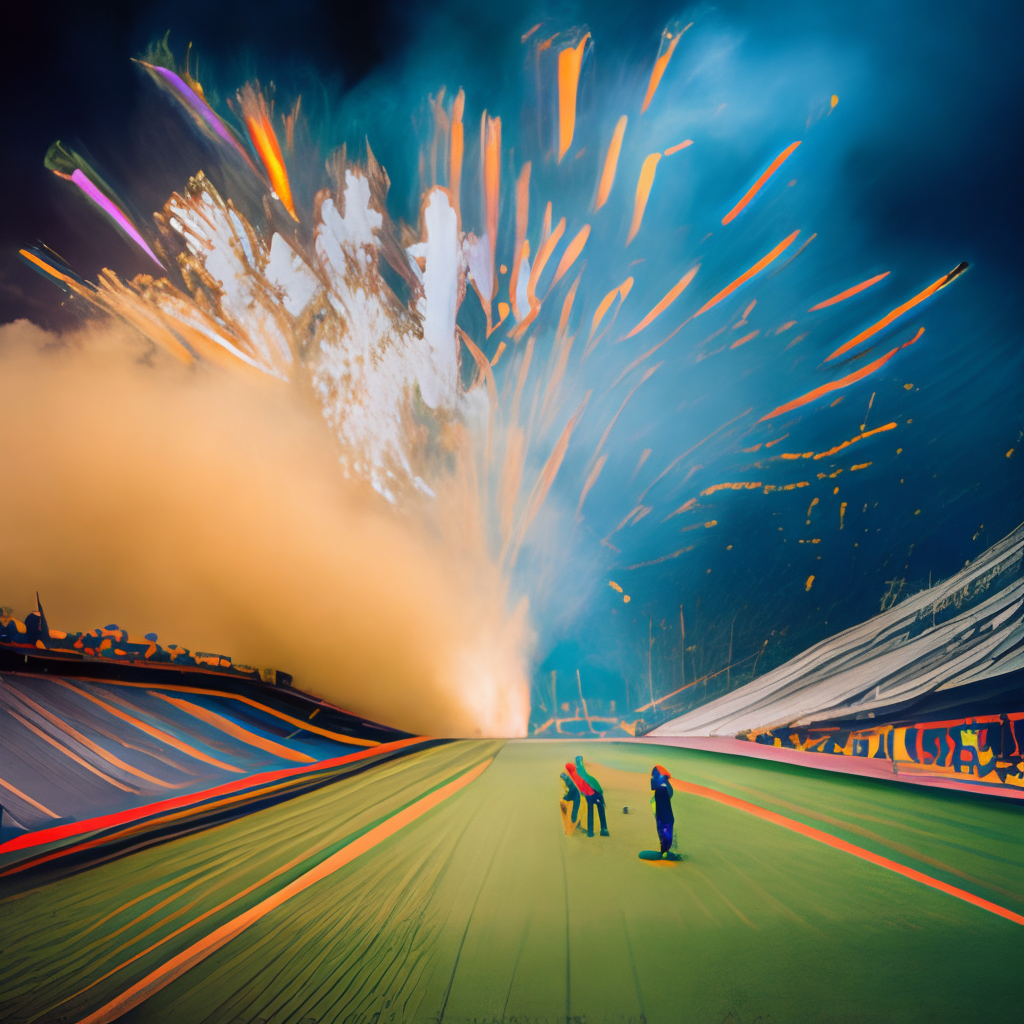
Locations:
(990, 748)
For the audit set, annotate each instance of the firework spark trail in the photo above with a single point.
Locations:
(569, 62)
(259, 123)
(667, 301)
(748, 274)
(621, 291)
(546, 479)
(597, 459)
(611, 162)
(196, 105)
(843, 382)
(457, 149)
(571, 254)
(849, 293)
(561, 350)
(853, 440)
(643, 190)
(896, 313)
(760, 183)
(490, 131)
(669, 41)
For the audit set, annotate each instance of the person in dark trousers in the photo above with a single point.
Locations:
(661, 801)
(571, 800)
(590, 795)
(594, 799)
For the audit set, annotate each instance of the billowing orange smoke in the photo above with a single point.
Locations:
(210, 507)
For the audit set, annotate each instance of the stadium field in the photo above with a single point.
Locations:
(441, 887)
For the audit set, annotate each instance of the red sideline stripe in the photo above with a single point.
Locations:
(76, 828)
(841, 844)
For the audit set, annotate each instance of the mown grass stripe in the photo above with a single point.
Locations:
(205, 947)
(841, 844)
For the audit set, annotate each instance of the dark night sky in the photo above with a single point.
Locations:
(69, 76)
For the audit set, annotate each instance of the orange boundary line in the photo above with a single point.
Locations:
(208, 945)
(842, 844)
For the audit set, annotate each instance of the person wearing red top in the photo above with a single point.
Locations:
(593, 798)
(584, 787)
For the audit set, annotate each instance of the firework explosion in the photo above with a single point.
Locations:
(614, 271)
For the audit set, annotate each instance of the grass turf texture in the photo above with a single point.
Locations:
(483, 910)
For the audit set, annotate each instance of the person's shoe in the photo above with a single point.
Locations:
(590, 835)
(672, 856)
(605, 832)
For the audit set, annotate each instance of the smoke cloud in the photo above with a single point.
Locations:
(213, 510)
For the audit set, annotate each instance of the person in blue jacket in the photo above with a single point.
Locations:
(661, 803)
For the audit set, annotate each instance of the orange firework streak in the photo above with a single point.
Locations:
(484, 370)
(570, 61)
(490, 133)
(745, 339)
(900, 310)
(743, 278)
(643, 358)
(667, 301)
(522, 221)
(622, 290)
(515, 452)
(591, 480)
(650, 372)
(859, 437)
(643, 190)
(47, 269)
(543, 255)
(843, 382)
(849, 293)
(563, 342)
(689, 451)
(676, 149)
(457, 144)
(757, 186)
(611, 161)
(572, 251)
(547, 478)
(669, 41)
(261, 131)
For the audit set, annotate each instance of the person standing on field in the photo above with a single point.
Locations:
(594, 799)
(661, 804)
